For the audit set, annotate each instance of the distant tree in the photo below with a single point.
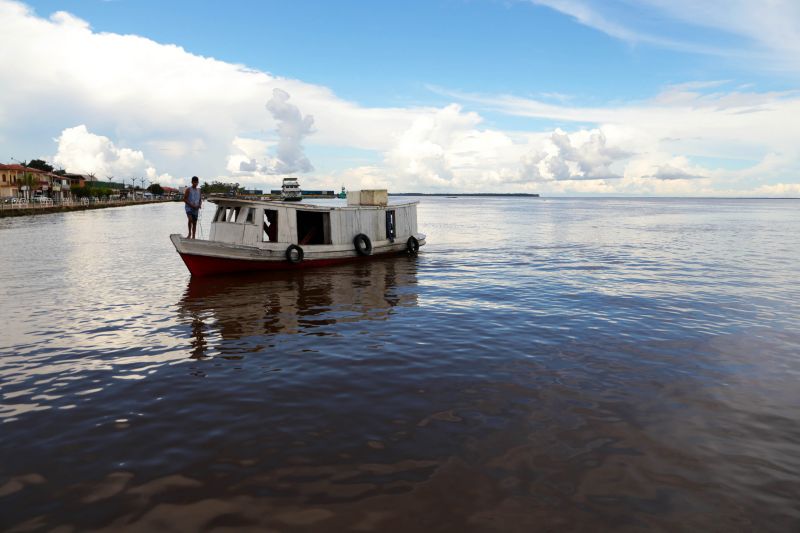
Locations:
(97, 188)
(219, 187)
(80, 192)
(60, 172)
(40, 164)
(156, 189)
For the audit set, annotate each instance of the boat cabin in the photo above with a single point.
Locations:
(255, 223)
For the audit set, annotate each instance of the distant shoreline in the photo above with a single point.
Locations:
(459, 194)
(586, 197)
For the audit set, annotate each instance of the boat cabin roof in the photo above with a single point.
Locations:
(327, 204)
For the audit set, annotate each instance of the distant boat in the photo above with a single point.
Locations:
(290, 190)
(248, 234)
(342, 194)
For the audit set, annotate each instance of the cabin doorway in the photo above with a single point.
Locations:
(391, 231)
(313, 227)
(269, 228)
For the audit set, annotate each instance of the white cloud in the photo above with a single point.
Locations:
(676, 126)
(164, 178)
(365, 177)
(765, 32)
(774, 26)
(584, 13)
(669, 172)
(582, 155)
(591, 156)
(87, 153)
(777, 190)
(186, 109)
(448, 150)
(244, 155)
(84, 152)
(293, 127)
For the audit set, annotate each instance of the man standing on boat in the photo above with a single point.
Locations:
(192, 201)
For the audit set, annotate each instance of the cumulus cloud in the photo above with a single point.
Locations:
(366, 177)
(592, 157)
(185, 108)
(248, 166)
(669, 172)
(163, 178)
(293, 127)
(530, 166)
(84, 152)
(244, 152)
(448, 149)
(747, 128)
(582, 155)
(776, 190)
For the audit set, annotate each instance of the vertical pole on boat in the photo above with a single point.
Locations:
(200, 223)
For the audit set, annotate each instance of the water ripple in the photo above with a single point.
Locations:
(543, 364)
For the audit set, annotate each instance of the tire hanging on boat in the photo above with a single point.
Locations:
(363, 244)
(294, 258)
(412, 245)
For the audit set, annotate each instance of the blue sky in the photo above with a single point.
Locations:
(555, 96)
(382, 53)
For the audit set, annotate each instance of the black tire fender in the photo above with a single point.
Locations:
(363, 244)
(294, 258)
(412, 245)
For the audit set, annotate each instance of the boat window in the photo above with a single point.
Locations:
(269, 229)
(313, 227)
(220, 214)
(232, 213)
(251, 215)
(391, 231)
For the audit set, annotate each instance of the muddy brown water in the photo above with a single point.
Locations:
(544, 364)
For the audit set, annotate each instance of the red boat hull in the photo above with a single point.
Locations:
(203, 265)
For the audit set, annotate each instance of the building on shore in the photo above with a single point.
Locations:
(77, 180)
(13, 183)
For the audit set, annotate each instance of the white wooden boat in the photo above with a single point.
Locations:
(251, 235)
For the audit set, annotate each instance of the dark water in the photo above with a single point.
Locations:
(542, 365)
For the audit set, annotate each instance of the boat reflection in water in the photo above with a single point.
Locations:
(258, 307)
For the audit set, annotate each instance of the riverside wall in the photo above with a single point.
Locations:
(17, 210)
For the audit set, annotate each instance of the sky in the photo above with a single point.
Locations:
(557, 97)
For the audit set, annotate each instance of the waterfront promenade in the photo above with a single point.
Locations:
(36, 208)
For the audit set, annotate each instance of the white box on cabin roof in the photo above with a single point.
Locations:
(378, 197)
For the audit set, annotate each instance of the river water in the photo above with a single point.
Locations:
(543, 364)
